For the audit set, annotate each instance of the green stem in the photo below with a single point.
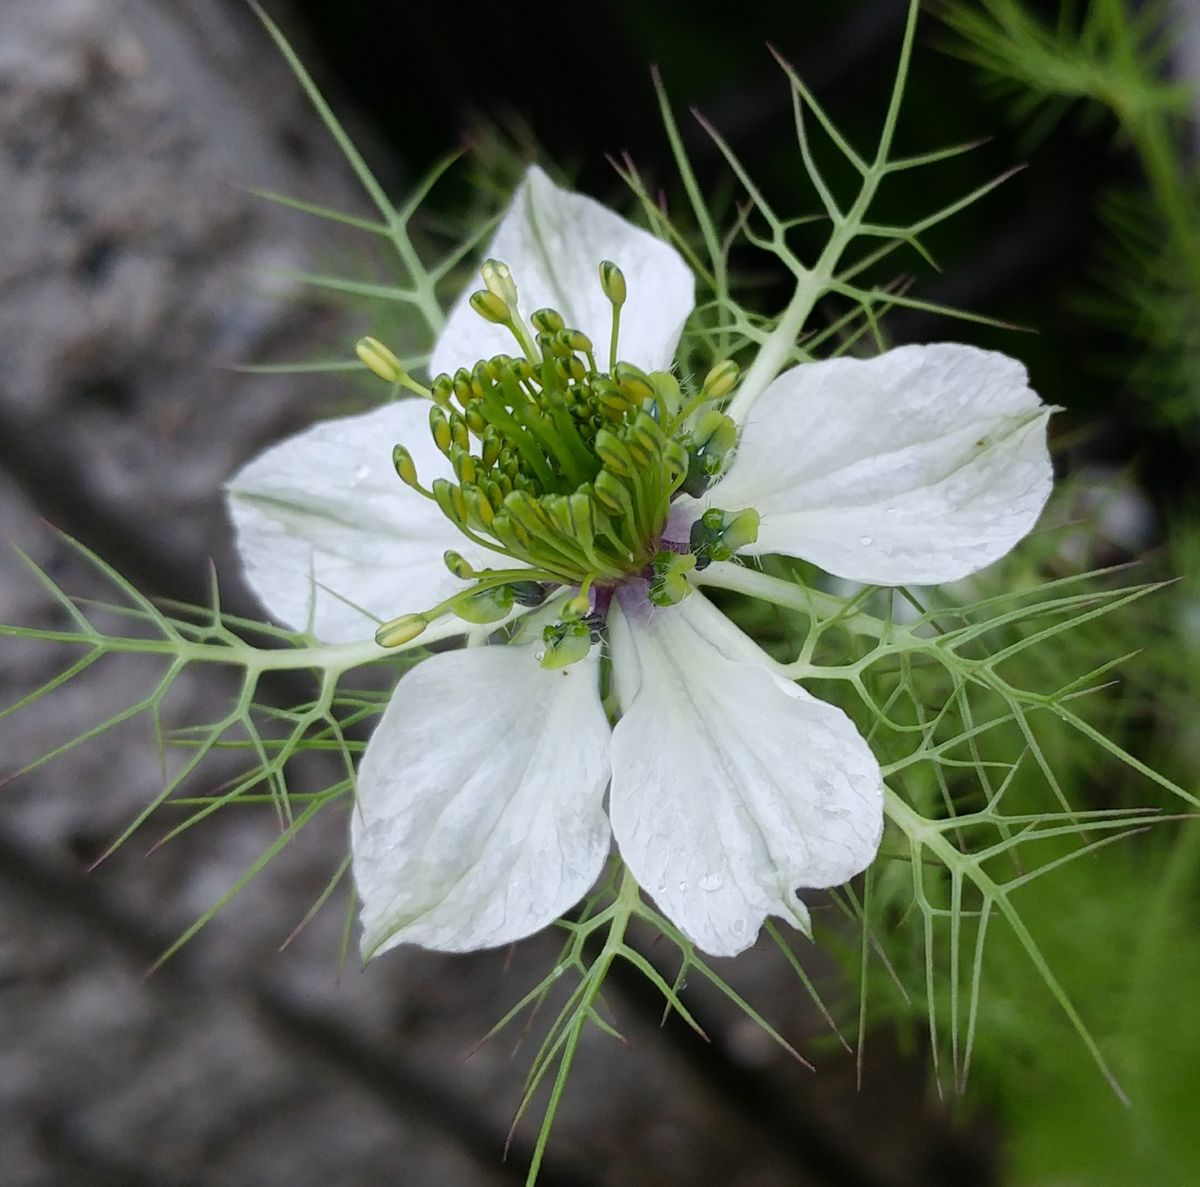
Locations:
(813, 602)
(619, 914)
(812, 283)
(423, 293)
(612, 341)
(924, 833)
(334, 658)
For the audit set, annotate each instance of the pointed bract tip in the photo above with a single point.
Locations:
(783, 62)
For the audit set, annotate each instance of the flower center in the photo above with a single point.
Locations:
(566, 469)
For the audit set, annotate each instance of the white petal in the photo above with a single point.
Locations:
(326, 530)
(480, 812)
(916, 467)
(553, 241)
(731, 787)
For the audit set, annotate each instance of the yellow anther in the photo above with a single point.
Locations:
(721, 380)
(492, 443)
(459, 565)
(613, 405)
(547, 321)
(527, 511)
(639, 455)
(462, 386)
(610, 449)
(612, 281)
(645, 434)
(633, 382)
(583, 523)
(475, 420)
(405, 466)
(439, 426)
(675, 457)
(464, 465)
(441, 389)
(380, 359)
(507, 528)
(449, 498)
(495, 492)
(401, 630)
(575, 340)
(497, 278)
(479, 506)
(491, 307)
(612, 493)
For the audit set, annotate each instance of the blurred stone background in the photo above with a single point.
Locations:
(134, 274)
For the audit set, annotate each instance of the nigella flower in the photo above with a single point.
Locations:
(565, 496)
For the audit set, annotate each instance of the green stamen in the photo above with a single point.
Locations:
(383, 362)
(565, 468)
(488, 600)
(612, 281)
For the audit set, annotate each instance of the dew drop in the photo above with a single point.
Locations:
(660, 887)
(682, 887)
(865, 540)
(362, 472)
(712, 882)
(739, 926)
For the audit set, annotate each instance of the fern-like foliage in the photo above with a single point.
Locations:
(1112, 57)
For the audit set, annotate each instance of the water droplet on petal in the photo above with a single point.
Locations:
(865, 540)
(362, 472)
(660, 887)
(712, 882)
(682, 887)
(739, 926)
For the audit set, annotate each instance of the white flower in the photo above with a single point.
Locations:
(481, 797)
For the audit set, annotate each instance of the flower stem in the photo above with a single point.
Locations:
(331, 658)
(813, 282)
(813, 602)
(622, 910)
(810, 287)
